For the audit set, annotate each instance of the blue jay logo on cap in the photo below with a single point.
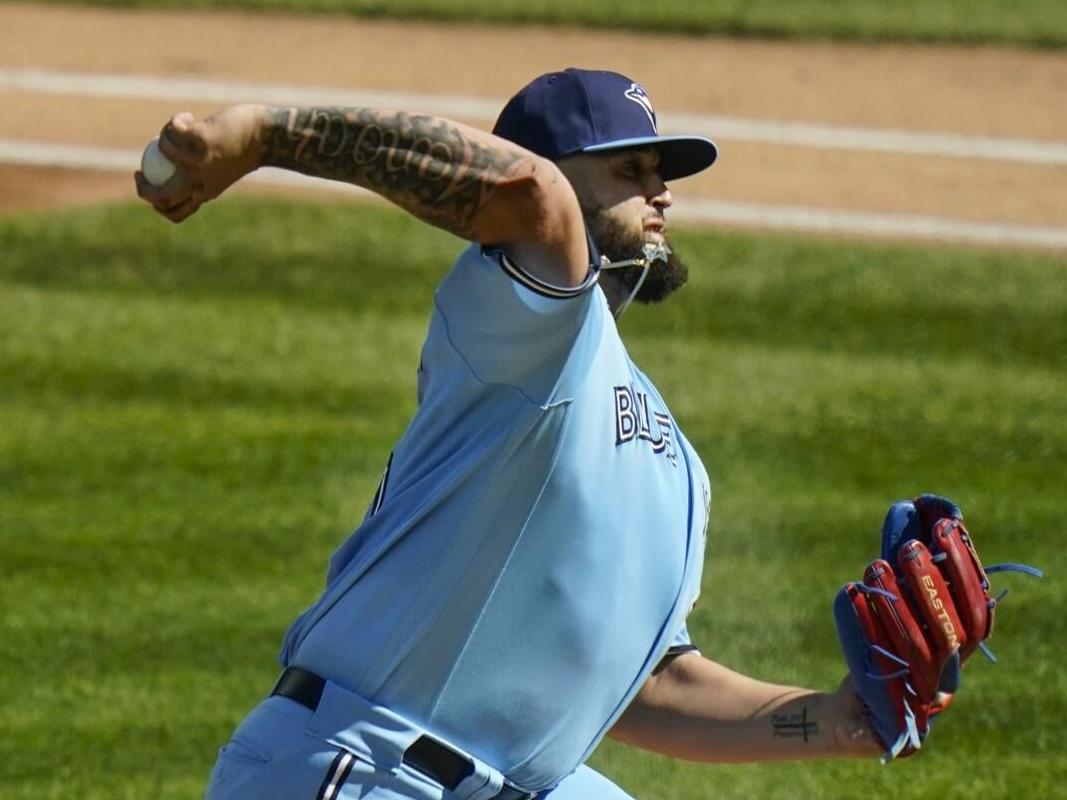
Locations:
(637, 93)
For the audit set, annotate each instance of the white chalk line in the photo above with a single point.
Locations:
(773, 217)
(797, 134)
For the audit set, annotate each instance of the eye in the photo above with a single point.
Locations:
(630, 170)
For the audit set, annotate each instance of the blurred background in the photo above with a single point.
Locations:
(193, 416)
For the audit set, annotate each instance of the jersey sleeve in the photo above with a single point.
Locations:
(514, 329)
(681, 643)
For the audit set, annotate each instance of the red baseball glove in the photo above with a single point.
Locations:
(920, 612)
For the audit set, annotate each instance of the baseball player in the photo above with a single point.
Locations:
(519, 586)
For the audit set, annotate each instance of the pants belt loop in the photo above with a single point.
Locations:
(482, 785)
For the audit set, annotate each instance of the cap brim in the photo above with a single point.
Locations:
(680, 156)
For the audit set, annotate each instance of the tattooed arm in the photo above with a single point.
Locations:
(701, 711)
(461, 179)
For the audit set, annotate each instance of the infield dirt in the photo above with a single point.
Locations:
(946, 89)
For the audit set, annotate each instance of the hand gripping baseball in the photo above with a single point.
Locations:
(210, 156)
(921, 610)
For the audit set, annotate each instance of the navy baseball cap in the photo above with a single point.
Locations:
(588, 111)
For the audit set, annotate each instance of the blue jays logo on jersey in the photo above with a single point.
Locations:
(637, 94)
(634, 421)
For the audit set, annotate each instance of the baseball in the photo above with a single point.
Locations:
(157, 168)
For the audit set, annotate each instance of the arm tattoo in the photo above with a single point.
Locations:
(794, 726)
(424, 164)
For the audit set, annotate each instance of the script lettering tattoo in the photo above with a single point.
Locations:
(794, 726)
(424, 164)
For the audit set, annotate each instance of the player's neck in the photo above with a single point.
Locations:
(614, 290)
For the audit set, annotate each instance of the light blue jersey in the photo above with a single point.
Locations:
(537, 540)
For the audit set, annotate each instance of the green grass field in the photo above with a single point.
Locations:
(1041, 23)
(192, 417)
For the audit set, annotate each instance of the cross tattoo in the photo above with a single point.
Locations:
(792, 726)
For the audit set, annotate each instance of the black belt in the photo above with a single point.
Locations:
(429, 756)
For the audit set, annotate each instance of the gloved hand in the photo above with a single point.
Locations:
(921, 610)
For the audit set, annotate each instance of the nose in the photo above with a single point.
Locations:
(661, 199)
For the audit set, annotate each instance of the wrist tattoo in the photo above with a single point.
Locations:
(794, 726)
(424, 164)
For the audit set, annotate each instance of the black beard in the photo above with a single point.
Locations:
(619, 244)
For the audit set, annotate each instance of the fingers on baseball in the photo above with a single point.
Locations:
(183, 210)
(149, 191)
(161, 197)
(182, 139)
(170, 202)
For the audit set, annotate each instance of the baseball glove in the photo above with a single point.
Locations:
(920, 612)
